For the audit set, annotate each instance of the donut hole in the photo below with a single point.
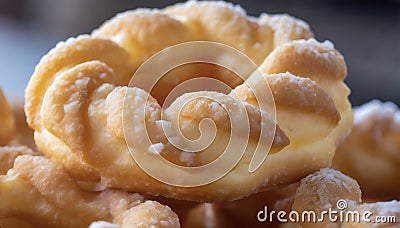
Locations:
(192, 77)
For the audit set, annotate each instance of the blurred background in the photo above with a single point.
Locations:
(366, 32)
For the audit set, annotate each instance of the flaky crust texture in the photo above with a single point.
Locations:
(371, 153)
(75, 99)
(39, 192)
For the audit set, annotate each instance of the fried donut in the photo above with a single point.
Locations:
(7, 122)
(34, 192)
(104, 104)
(77, 94)
(371, 153)
(323, 190)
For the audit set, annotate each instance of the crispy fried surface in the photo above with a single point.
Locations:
(39, 191)
(76, 96)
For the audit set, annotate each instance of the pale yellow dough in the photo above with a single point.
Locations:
(39, 192)
(76, 95)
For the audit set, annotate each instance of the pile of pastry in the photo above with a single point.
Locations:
(80, 168)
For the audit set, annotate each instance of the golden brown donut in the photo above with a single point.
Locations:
(7, 122)
(40, 192)
(371, 153)
(75, 99)
(104, 102)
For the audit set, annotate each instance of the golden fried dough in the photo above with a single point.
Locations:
(8, 154)
(86, 117)
(39, 191)
(322, 63)
(371, 153)
(86, 139)
(328, 190)
(306, 79)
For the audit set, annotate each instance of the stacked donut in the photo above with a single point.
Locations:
(36, 191)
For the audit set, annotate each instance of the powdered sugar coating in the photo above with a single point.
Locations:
(376, 109)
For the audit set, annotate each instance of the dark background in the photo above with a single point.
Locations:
(367, 33)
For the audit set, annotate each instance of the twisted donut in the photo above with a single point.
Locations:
(82, 99)
(34, 193)
(78, 102)
(374, 142)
